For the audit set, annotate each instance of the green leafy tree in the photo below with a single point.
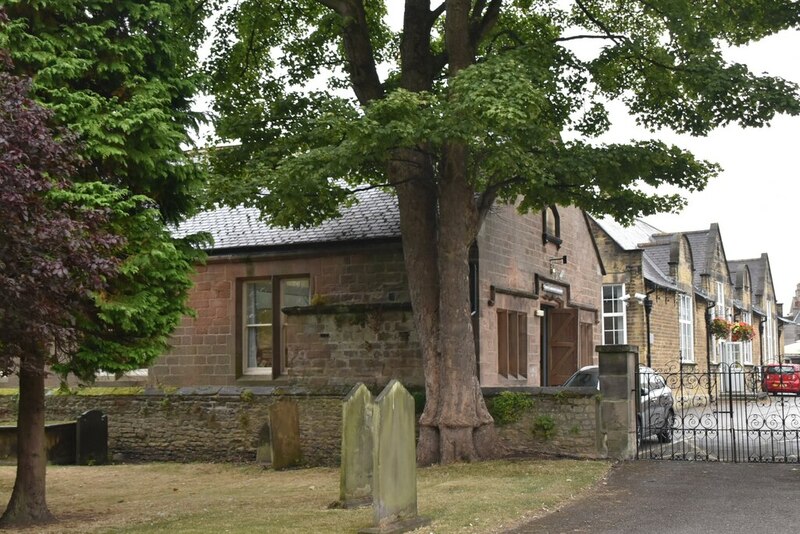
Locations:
(120, 75)
(470, 103)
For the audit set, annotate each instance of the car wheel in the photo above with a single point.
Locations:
(665, 436)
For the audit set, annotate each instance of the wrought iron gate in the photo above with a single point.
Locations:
(725, 415)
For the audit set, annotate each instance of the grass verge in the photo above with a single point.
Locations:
(201, 498)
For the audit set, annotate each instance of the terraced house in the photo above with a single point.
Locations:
(666, 292)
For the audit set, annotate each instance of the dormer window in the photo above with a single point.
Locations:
(551, 223)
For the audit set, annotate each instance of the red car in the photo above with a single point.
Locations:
(781, 378)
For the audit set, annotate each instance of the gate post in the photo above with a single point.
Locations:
(618, 374)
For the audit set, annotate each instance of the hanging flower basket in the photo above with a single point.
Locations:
(742, 331)
(720, 328)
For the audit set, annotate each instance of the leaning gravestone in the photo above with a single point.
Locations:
(91, 438)
(279, 440)
(355, 483)
(394, 463)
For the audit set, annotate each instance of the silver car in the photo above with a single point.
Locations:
(656, 414)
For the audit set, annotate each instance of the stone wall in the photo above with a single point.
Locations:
(223, 424)
(558, 423)
(200, 424)
(515, 261)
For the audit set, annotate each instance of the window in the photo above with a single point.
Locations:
(686, 320)
(551, 226)
(512, 344)
(720, 311)
(733, 352)
(747, 346)
(614, 322)
(263, 322)
(474, 287)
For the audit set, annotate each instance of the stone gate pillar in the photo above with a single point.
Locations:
(618, 375)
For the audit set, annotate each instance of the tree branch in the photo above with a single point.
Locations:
(486, 200)
(597, 22)
(339, 6)
(436, 13)
(358, 49)
(481, 25)
(613, 37)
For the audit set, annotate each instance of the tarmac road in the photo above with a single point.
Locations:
(683, 497)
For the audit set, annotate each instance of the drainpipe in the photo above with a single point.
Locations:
(648, 307)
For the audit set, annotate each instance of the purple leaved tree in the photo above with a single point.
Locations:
(55, 255)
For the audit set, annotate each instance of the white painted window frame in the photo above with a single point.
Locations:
(623, 313)
(686, 324)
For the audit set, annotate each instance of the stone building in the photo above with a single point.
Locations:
(757, 304)
(791, 332)
(329, 306)
(680, 283)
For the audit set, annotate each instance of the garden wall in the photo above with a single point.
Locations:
(223, 424)
(547, 421)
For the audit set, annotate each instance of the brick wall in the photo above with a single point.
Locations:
(665, 330)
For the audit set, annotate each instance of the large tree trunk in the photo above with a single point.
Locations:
(465, 427)
(438, 226)
(412, 173)
(439, 222)
(28, 505)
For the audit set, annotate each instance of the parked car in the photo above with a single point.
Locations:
(781, 378)
(656, 402)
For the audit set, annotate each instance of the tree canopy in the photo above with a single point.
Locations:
(54, 252)
(466, 103)
(525, 104)
(122, 76)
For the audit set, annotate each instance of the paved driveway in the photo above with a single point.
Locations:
(683, 497)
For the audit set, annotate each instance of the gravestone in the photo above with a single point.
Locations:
(394, 463)
(91, 438)
(279, 440)
(355, 483)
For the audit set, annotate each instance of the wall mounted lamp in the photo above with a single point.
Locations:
(555, 271)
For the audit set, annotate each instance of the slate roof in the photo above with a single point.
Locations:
(642, 236)
(758, 272)
(627, 237)
(655, 264)
(374, 216)
(698, 242)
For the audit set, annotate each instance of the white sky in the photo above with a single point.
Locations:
(755, 197)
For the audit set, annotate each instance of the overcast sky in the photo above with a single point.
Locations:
(755, 197)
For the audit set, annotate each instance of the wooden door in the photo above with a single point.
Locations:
(562, 350)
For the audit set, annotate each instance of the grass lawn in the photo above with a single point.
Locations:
(204, 498)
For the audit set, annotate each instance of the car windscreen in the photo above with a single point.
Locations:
(780, 370)
(582, 380)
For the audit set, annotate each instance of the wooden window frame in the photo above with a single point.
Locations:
(512, 344)
(278, 326)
